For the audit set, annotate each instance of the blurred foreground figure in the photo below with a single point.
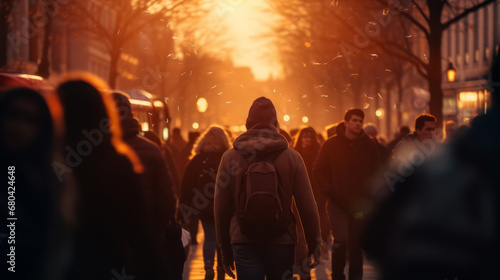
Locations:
(113, 234)
(444, 222)
(27, 137)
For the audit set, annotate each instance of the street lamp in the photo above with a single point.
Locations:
(450, 72)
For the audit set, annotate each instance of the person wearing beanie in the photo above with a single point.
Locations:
(270, 257)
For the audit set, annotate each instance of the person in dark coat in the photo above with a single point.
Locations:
(113, 235)
(307, 146)
(155, 179)
(403, 132)
(272, 258)
(198, 185)
(343, 169)
(444, 220)
(31, 197)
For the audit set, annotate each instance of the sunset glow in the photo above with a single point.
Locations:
(247, 24)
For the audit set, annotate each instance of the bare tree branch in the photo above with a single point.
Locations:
(466, 12)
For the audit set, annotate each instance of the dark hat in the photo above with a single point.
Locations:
(122, 104)
(262, 112)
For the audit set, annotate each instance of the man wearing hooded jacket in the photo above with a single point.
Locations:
(272, 258)
(343, 168)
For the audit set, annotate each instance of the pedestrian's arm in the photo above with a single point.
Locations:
(223, 209)
(306, 205)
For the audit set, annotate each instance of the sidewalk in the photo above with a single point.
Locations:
(194, 267)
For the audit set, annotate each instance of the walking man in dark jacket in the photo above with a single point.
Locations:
(272, 255)
(343, 168)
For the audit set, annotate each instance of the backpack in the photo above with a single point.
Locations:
(259, 210)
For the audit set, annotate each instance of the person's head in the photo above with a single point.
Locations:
(262, 114)
(425, 124)
(371, 131)
(404, 131)
(353, 121)
(306, 139)
(91, 119)
(451, 128)
(122, 101)
(214, 139)
(25, 122)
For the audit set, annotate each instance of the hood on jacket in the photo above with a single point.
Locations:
(262, 112)
(260, 142)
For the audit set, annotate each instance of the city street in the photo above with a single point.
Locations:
(193, 268)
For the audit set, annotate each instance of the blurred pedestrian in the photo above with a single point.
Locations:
(372, 132)
(198, 185)
(113, 232)
(307, 146)
(156, 181)
(32, 195)
(343, 168)
(403, 132)
(444, 222)
(253, 215)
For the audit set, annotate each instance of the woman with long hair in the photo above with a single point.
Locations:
(307, 145)
(198, 189)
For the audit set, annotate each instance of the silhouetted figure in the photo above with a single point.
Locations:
(444, 220)
(198, 185)
(113, 232)
(185, 153)
(307, 146)
(177, 141)
(31, 192)
(156, 182)
(343, 169)
(263, 251)
(403, 132)
(451, 130)
(372, 132)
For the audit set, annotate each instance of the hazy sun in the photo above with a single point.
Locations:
(247, 24)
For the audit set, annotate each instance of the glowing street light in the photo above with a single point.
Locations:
(450, 72)
(305, 119)
(196, 125)
(379, 113)
(202, 104)
(286, 118)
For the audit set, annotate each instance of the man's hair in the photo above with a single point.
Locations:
(422, 118)
(357, 112)
(404, 130)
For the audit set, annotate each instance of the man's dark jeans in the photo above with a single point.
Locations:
(346, 231)
(256, 261)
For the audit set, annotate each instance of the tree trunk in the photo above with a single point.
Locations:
(388, 110)
(434, 76)
(5, 9)
(113, 67)
(44, 66)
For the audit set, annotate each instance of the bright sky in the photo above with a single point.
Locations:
(246, 21)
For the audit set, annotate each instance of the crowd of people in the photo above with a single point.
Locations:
(97, 198)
